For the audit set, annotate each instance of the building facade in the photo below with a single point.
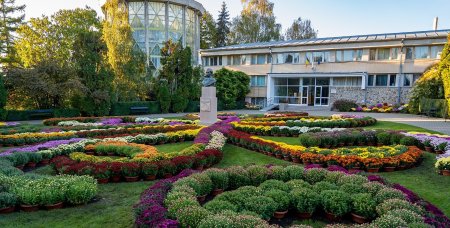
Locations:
(315, 72)
(153, 22)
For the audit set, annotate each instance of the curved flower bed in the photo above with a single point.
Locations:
(371, 159)
(283, 131)
(257, 194)
(99, 121)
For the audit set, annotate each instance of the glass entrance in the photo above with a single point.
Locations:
(322, 95)
(302, 91)
(304, 97)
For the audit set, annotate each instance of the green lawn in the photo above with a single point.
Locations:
(115, 207)
(398, 126)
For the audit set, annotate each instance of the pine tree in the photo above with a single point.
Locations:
(9, 22)
(208, 31)
(223, 26)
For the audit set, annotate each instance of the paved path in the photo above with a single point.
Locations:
(435, 124)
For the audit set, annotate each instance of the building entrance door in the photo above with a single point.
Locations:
(322, 95)
(304, 93)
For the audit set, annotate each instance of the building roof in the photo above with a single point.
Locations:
(339, 39)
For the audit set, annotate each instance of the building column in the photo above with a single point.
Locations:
(184, 26)
(167, 21)
(146, 25)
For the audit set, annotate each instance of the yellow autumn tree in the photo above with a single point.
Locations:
(444, 70)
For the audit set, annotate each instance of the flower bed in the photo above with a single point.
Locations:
(335, 121)
(258, 194)
(283, 131)
(382, 108)
(93, 121)
(371, 158)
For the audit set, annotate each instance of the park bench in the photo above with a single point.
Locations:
(139, 110)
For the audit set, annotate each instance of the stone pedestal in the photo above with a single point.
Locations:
(208, 106)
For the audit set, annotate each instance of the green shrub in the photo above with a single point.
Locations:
(394, 204)
(389, 221)
(281, 199)
(19, 158)
(295, 172)
(82, 190)
(244, 221)
(218, 177)
(389, 193)
(257, 174)
(352, 179)
(262, 205)
(27, 195)
(408, 141)
(179, 102)
(336, 202)
(333, 177)
(190, 182)
(296, 183)
(274, 184)
(235, 197)
(164, 97)
(237, 176)
(352, 189)
(279, 173)
(217, 206)
(343, 105)
(216, 221)
(179, 204)
(373, 187)
(305, 200)
(315, 175)
(58, 113)
(323, 186)
(191, 216)
(175, 196)
(384, 138)
(34, 157)
(396, 138)
(205, 183)
(51, 193)
(406, 215)
(7, 200)
(363, 204)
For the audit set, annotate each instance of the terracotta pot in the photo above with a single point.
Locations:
(44, 162)
(29, 208)
(355, 169)
(401, 167)
(332, 217)
(359, 219)
(361, 144)
(429, 149)
(201, 198)
(116, 178)
(110, 154)
(440, 172)
(446, 173)
(103, 180)
(199, 168)
(296, 160)
(131, 179)
(373, 170)
(279, 156)
(31, 165)
(217, 192)
(54, 206)
(167, 175)
(150, 177)
(7, 210)
(271, 154)
(279, 214)
(304, 215)
(389, 169)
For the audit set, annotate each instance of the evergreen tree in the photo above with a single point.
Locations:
(223, 26)
(301, 29)
(208, 31)
(11, 18)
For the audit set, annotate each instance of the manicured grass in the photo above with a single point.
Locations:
(288, 140)
(173, 147)
(234, 155)
(387, 125)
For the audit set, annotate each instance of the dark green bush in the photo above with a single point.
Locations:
(343, 105)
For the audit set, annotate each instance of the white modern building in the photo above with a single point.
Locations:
(315, 72)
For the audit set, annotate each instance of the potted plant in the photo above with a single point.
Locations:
(149, 171)
(282, 202)
(115, 168)
(130, 171)
(262, 205)
(391, 164)
(336, 204)
(7, 202)
(383, 138)
(199, 162)
(219, 180)
(363, 208)
(46, 156)
(52, 197)
(33, 159)
(305, 201)
(20, 159)
(441, 148)
(428, 146)
(28, 199)
(166, 168)
(373, 165)
(102, 173)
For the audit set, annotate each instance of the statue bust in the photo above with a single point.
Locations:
(209, 80)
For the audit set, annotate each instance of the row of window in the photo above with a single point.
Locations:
(375, 54)
(391, 80)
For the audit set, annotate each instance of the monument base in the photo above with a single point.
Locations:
(208, 106)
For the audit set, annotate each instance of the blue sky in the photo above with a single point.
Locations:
(330, 17)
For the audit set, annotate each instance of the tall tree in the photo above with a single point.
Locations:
(301, 29)
(126, 60)
(11, 18)
(223, 26)
(444, 68)
(208, 31)
(257, 23)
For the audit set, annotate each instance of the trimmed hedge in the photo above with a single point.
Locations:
(123, 108)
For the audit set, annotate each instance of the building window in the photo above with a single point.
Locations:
(383, 53)
(359, 54)
(279, 58)
(394, 53)
(370, 80)
(258, 81)
(212, 61)
(258, 101)
(261, 59)
(381, 80)
(326, 56)
(409, 53)
(421, 52)
(236, 60)
(436, 51)
(407, 80)
(318, 57)
(392, 80)
(339, 56)
(372, 54)
(348, 55)
(243, 60)
(347, 82)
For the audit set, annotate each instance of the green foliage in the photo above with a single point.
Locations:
(281, 199)
(217, 206)
(123, 108)
(262, 205)
(208, 31)
(231, 86)
(444, 68)
(12, 18)
(387, 194)
(305, 200)
(3, 93)
(257, 174)
(274, 184)
(223, 26)
(336, 202)
(7, 200)
(364, 204)
(219, 178)
(395, 204)
(344, 105)
(301, 29)
(429, 86)
(238, 176)
(164, 97)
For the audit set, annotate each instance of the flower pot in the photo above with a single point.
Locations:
(150, 177)
(217, 192)
(429, 149)
(446, 173)
(373, 170)
(279, 214)
(131, 179)
(304, 215)
(110, 154)
(287, 158)
(54, 206)
(201, 198)
(115, 178)
(389, 169)
(296, 160)
(31, 165)
(402, 167)
(102, 180)
(7, 210)
(44, 162)
(279, 156)
(332, 217)
(359, 219)
(167, 175)
(361, 144)
(440, 172)
(29, 208)
(440, 152)
(199, 168)
(354, 169)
